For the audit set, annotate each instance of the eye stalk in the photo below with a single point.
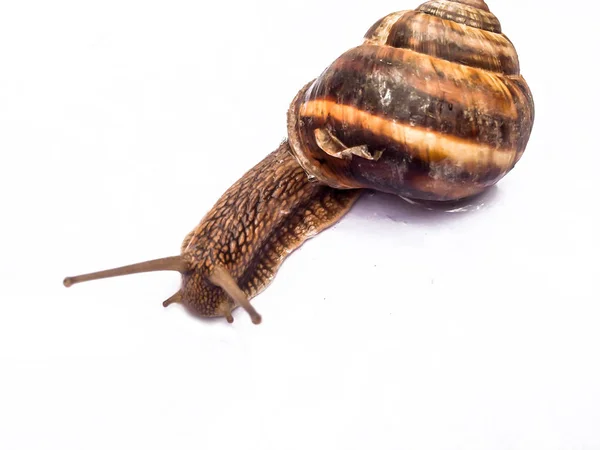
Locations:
(173, 263)
(219, 277)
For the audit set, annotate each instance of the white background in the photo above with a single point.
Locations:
(121, 123)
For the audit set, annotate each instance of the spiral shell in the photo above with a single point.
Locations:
(431, 106)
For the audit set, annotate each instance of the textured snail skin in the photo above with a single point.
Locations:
(436, 96)
(259, 220)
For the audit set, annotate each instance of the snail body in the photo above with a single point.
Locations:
(257, 222)
(431, 106)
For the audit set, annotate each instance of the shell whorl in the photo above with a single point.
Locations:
(480, 4)
(473, 13)
(461, 31)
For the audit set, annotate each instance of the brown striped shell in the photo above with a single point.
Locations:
(431, 106)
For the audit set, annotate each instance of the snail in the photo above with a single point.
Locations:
(430, 107)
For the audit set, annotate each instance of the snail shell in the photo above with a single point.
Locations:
(431, 106)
